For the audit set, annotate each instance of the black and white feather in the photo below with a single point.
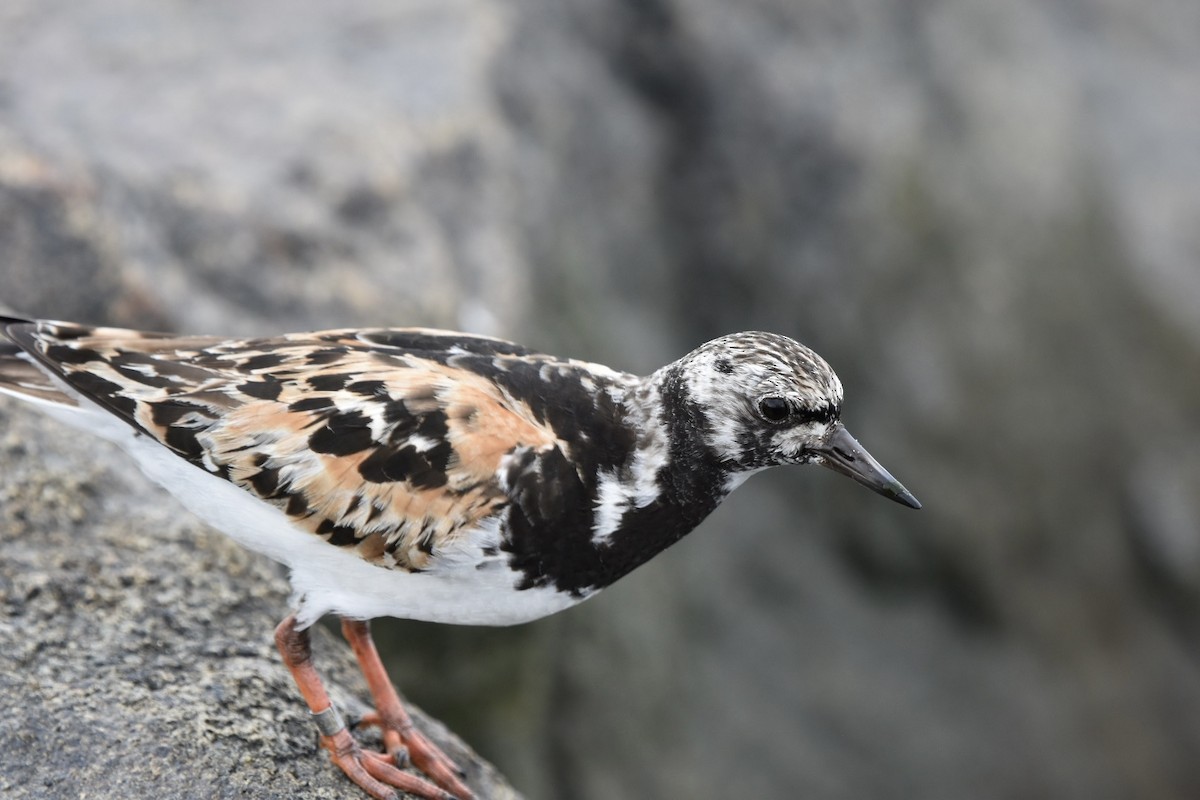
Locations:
(438, 475)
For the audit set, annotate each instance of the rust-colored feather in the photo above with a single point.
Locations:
(300, 421)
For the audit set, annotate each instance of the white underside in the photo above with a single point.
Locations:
(469, 588)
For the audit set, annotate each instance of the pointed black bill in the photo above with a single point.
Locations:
(842, 453)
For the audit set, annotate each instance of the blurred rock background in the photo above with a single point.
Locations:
(984, 215)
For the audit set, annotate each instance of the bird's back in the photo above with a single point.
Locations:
(385, 441)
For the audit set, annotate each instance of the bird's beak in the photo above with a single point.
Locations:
(842, 453)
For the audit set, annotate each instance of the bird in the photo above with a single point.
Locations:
(434, 475)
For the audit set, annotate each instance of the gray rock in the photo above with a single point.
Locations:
(136, 648)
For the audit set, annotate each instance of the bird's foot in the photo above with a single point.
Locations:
(377, 774)
(406, 745)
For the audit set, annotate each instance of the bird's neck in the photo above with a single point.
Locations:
(699, 478)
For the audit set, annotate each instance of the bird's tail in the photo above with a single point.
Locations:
(20, 375)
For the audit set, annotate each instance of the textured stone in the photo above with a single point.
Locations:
(136, 648)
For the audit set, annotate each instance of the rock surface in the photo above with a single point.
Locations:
(136, 649)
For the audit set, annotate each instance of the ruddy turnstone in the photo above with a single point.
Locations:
(435, 475)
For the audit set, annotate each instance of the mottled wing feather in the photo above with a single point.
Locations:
(430, 340)
(374, 440)
(109, 365)
(19, 375)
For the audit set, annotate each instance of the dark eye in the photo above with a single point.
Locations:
(774, 409)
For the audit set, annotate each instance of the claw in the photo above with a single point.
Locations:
(400, 756)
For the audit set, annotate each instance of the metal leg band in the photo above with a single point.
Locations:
(328, 721)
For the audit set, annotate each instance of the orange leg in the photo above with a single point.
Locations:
(371, 771)
(402, 740)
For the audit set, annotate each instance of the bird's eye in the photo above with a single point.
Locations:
(774, 409)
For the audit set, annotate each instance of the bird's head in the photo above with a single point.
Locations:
(767, 400)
